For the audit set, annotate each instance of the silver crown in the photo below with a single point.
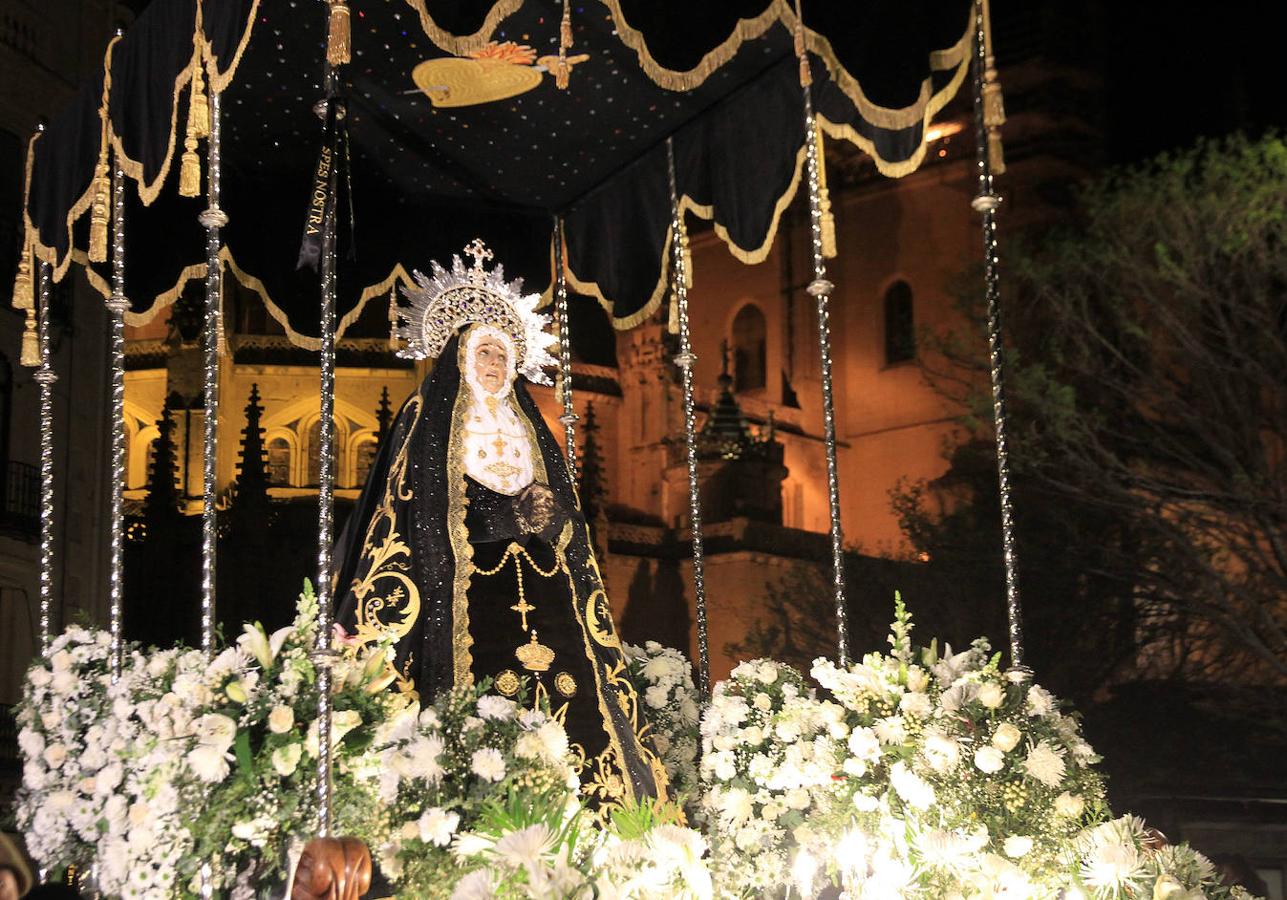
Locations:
(441, 304)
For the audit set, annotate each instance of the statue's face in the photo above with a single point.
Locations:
(491, 363)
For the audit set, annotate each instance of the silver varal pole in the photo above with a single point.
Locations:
(986, 202)
(820, 289)
(212, 218)
(117, 306)
(569, 417)
(326, 507)
(45, 377)
(686, 359)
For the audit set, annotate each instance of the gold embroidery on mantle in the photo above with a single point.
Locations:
(386, 557)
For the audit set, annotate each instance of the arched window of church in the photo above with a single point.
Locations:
(362, 464)
(749, 361)
(315, 453)
(279, 461)
(900, 324)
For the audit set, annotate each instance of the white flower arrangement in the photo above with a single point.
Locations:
(672, 708)
(908, 774)
(185, 762)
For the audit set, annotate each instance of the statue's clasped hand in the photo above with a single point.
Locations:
(535, 508)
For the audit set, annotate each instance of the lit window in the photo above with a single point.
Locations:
(279, 461)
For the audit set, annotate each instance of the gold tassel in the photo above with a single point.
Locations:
(339, 38)
(30, 343)
(190, 169)
(688, 258)
(98, 214)
(993, 105)
(672, 320)
(996, 155)
(23, 284)
(993, 119)
(562, 69)
(198, 106)
(824, 200)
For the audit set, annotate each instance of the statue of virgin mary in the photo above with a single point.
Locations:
(468, 547)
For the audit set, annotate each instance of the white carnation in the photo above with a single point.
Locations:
(491, 706)
(488, 764)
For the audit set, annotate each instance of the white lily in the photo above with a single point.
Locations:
(255, 641)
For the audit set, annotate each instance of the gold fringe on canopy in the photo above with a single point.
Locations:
(339, 34)
(464, 44)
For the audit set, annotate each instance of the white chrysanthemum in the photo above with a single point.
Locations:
(1045, 763)
(891, 730)
(525, 846)
(734, 805)
(437, 826)
(656, 696)
(479, 884)
(1112, 867)
(1040, 701)
(488, 764)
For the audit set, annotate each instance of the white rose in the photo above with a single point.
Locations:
(989, 760)
(51, 719)
(1006, 737)
(762, 702)
(286, 759)
(1017, 845)
(1069, 805)
(281, 719)
(39, 676)
(767, 673)
(54, 755)
(64, 682)
(991, 694)
(61, 661)
(210, 763)
(753, 735)
(797, 798)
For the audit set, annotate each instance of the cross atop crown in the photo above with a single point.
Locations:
(479, 251)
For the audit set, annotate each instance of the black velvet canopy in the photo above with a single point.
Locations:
(722, 79)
